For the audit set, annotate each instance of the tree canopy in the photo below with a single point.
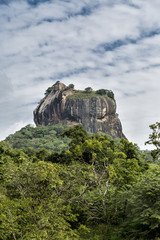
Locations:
(88, 89)
(48, 137)
(96, 188)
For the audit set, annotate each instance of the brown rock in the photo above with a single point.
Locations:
(62, 105)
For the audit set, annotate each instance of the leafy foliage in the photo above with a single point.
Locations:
(143, 207)
(48, 91)
(89, 94)
(71, 86)
(109, 93)
(154, 139)
(101, 91)
(88, 90)
(97, 188)
(48, 137)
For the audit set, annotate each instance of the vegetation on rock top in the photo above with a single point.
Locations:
(79, 94)
(87, 93)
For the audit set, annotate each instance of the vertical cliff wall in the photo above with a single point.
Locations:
(97, 113)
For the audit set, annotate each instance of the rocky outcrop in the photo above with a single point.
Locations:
(67, 106)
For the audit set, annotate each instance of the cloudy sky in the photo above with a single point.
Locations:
(111, 44)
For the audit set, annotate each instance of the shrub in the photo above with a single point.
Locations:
(101, 91)
(110, 94)
(47, 92)
(88, 89)
(71, 86)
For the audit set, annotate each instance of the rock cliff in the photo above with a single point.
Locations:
(97, 113)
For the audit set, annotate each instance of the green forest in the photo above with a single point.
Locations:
(62, 183)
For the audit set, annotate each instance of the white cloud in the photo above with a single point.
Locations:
(13, 128)
(100, 43)
(6, 88)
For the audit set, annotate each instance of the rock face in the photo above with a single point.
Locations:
(63, 105)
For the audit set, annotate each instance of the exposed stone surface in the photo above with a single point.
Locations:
(96, 114)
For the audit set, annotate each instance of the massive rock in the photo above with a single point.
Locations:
(67, 106)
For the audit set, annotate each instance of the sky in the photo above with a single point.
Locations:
(110, 44)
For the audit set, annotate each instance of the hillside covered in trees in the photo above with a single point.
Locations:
(86, 187)
(48, 137)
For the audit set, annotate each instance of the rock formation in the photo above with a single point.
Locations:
(97, 113)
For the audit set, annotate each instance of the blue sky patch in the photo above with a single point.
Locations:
(70, 73)
(5, 2)
(36, 2)
(149, 33)
(85, 11)
(133, 5)
(111, 46)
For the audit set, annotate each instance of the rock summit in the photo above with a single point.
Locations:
(94, 110)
